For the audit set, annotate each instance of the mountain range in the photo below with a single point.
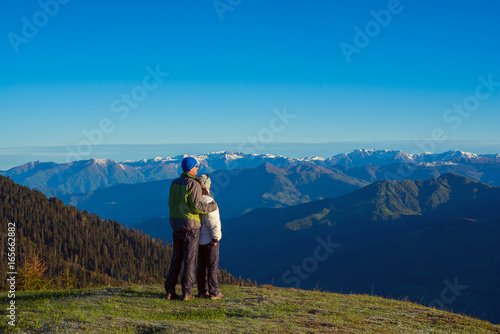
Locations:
(266, 186)
(238, 191)
(55, 179)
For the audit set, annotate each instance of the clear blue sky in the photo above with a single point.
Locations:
(226, 76)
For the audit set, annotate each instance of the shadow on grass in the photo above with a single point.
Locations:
(46, 294)
(150, 329)
(100, 291)
(130, 292)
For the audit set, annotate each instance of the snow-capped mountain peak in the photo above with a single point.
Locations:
(102, 162)
(92, 174)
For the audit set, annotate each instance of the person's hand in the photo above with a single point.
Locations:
(214, 242)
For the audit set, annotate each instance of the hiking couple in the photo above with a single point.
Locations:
(195, 220)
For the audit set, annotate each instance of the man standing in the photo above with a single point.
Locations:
(186, 205)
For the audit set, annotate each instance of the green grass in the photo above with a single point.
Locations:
(141, 309)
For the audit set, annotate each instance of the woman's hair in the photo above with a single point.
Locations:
(204, 191)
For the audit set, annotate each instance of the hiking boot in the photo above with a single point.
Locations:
(171, 296)
(203, 295)
(219, 296)
(187, 296)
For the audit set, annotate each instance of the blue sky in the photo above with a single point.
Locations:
(231, 67)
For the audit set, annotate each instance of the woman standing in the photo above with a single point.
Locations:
(208, 251)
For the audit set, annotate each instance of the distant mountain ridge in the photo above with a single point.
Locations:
(364, 157)
(246, 189)
(83, 176)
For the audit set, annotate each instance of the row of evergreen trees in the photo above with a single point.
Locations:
(59, 246)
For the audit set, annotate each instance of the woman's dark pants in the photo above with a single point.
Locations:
(208, 268)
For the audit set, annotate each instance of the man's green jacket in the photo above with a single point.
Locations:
(186, 205)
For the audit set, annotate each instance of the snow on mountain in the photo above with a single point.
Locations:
(364, 157)
(102, 162)
(88, 175)
(209, 162)
(446, 156)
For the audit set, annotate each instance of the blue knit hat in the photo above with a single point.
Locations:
(188, 164)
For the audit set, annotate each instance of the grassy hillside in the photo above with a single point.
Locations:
(141, 309)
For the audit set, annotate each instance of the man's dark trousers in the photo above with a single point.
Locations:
(208, 269)
(185, 250)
